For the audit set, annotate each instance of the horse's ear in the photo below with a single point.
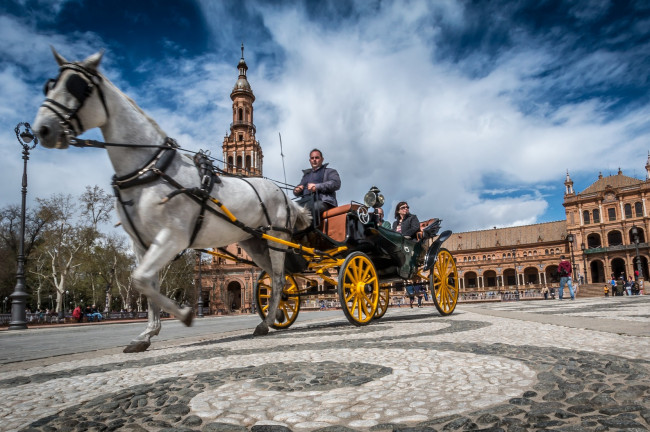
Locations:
(58, 57)
(93, 61)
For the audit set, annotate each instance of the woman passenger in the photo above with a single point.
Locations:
(406, 223)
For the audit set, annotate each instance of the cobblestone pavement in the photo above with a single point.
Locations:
(517, 366)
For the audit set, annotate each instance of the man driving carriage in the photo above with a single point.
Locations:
(318, 186)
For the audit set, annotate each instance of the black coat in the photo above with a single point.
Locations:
(410, 226)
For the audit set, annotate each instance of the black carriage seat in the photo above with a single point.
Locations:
(429, 228)
(334, 221)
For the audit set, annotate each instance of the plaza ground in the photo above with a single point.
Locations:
(511, 366)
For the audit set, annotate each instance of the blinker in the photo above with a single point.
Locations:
(77, 87)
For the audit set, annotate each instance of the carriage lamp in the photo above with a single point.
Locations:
(28, 141)
(374, 198)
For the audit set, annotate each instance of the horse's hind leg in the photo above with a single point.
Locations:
(143, 341)
(277, 274)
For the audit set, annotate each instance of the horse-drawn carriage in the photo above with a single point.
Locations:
(167, 205)
(369, 261)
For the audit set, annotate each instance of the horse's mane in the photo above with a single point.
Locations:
(135, 105)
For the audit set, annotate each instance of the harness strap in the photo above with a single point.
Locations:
(266, 213)
(118, 196)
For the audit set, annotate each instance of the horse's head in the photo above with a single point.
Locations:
(74, 102)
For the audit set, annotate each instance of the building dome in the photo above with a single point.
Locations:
(242, 85)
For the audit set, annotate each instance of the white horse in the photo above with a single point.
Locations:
(148, 168)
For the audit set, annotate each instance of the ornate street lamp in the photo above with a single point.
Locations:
(200, 288)
(570, 238)
(514, 258)
(635, 233)
(18, 321)
(584, 259)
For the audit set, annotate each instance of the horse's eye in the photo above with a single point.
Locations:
(49, 85)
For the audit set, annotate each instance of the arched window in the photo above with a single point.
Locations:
(546, 252)
(628, 210)
(239, 162)
(230, 161)
(614, 238)
(248, 161)
(593, 241)
(240, 114)
(585, 216)
(596, 215)
(638, 209)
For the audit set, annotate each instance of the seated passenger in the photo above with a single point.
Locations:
(319, 181)
(379, 214)
(406, 223)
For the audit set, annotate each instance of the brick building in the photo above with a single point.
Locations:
(598, 234)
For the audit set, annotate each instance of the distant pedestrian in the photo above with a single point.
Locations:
(620, 286)
(564, 270)
(606, 290)
(545, 292)
(629, 284)
(78, 314)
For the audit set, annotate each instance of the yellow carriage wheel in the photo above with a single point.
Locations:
(289, 302)
(358, 289)
(444, 283)
(382, 303)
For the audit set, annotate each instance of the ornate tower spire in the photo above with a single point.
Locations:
(647, 168)
(568, 185)
(241, 151)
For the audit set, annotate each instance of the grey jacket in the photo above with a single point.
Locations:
(327, 189)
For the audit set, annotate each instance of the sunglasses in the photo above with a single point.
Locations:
(404, 208)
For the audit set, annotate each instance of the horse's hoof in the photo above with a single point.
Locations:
(137, 346)
(187, 315)
(261, 329)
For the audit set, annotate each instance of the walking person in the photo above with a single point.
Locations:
(629, 285)
(564, 270)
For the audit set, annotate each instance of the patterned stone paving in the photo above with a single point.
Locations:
(411, 370)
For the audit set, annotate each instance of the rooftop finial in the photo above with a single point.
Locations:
(242, 50)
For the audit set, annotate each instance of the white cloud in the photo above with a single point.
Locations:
(370, 96)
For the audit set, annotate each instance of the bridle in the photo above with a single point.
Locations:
(80, 85)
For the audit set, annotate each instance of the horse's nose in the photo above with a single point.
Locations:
(43, 131)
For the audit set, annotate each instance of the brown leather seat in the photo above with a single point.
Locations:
(334, 221)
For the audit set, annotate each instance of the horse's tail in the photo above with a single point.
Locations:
(303, 220)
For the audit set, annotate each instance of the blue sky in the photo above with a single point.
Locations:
(470, 111)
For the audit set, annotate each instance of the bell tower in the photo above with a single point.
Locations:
(242, 153)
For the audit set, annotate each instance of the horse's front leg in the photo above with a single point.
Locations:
(143, 341)
(145, 279)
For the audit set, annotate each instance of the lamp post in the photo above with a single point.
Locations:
(200, 286)
(514, 258)
(584, 259)
(635, 233)
(4, 305)
(18, 321)
(570, 238)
